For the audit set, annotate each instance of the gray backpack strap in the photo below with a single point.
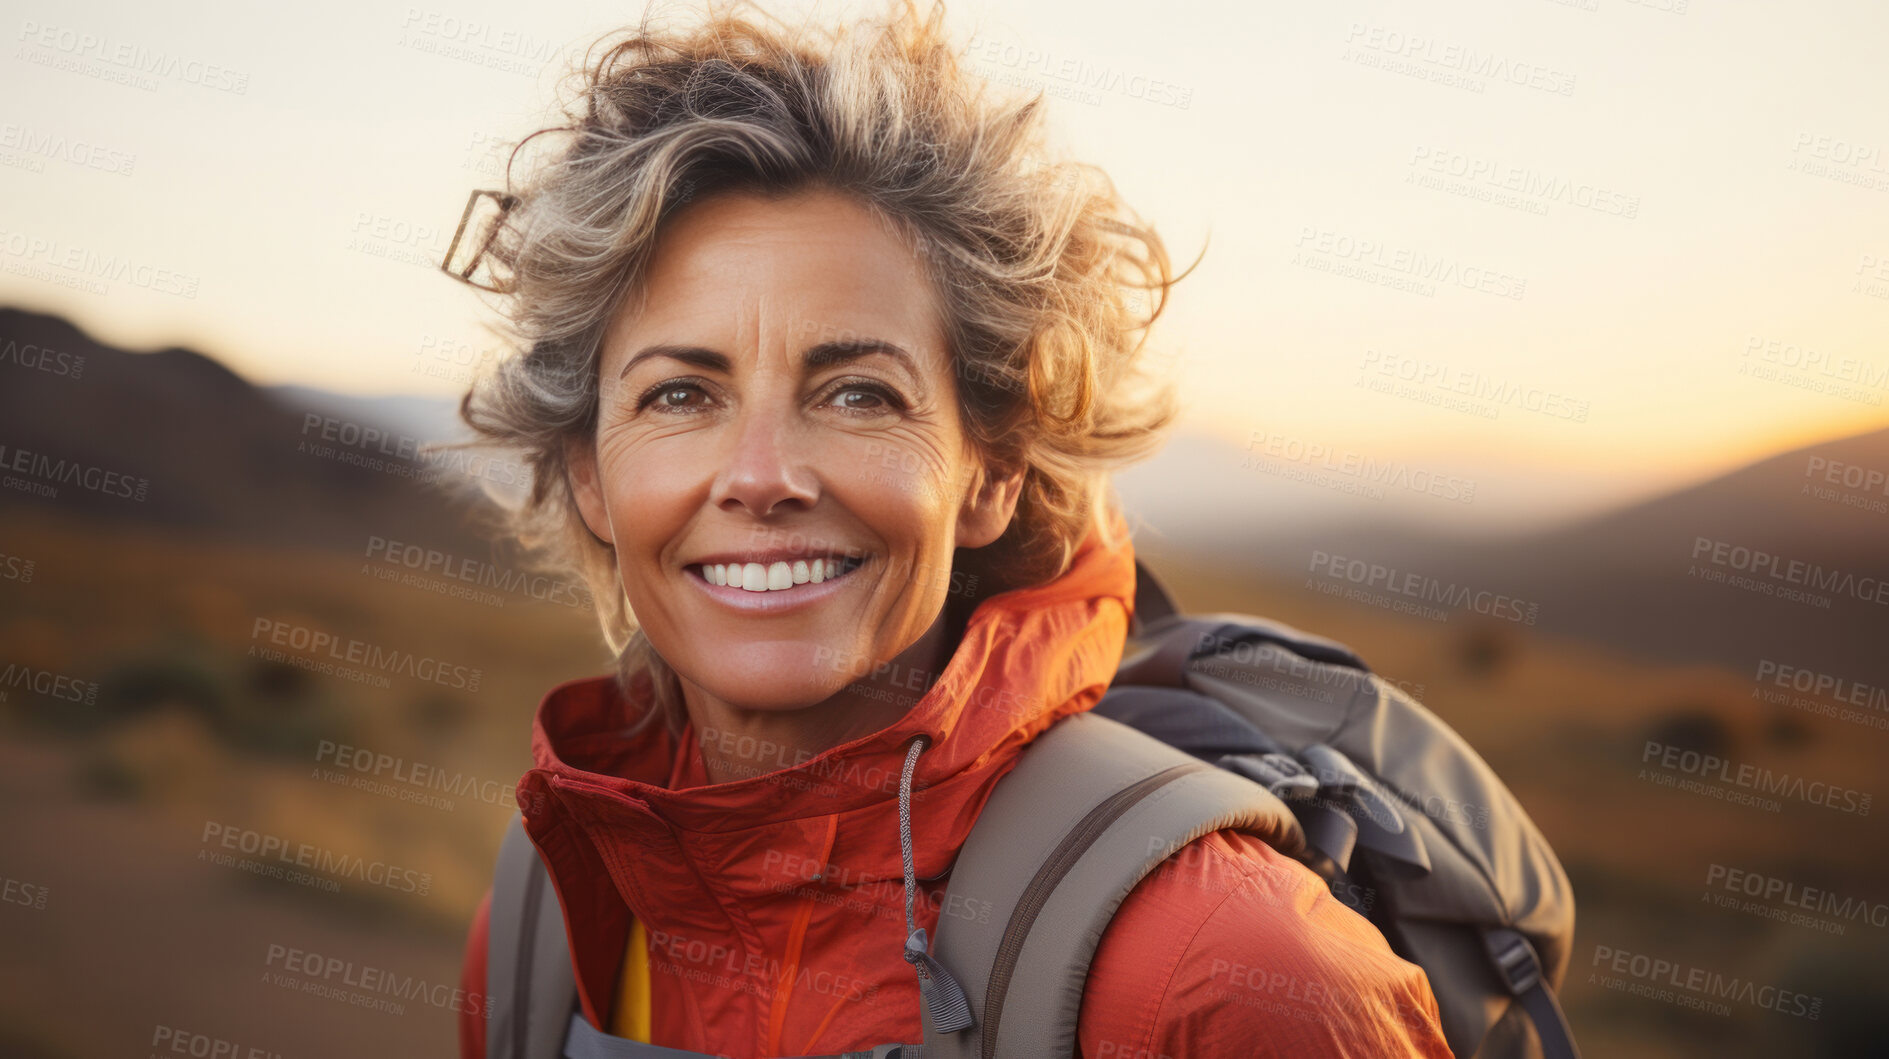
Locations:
(1090, 809)
(587, 1042)
(531, 988)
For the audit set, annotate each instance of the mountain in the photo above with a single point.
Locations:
(1778, 561)
(174, 439)
(432, 418)
(1687, 574)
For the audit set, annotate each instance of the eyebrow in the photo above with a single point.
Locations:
(815, 357)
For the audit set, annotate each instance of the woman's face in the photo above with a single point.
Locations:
(780, 392)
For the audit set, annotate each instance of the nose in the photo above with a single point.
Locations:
(767, 468)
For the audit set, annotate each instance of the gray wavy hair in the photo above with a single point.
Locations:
(1049, 283)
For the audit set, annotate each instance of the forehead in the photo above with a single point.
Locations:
(750, 274)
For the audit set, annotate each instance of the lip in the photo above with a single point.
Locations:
(778, 601)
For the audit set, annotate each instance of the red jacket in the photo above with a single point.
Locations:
(1228, 949)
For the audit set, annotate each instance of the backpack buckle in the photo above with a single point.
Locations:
(1514, 959)
(1341, 780)
(1279, 773)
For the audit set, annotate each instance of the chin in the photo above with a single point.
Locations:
(772, 676)
(766, 693)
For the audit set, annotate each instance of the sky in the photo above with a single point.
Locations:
(1584, 251)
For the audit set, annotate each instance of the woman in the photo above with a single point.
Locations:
(828, 369)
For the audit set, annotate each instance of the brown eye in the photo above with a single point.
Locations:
(670, 395)
(876, 399)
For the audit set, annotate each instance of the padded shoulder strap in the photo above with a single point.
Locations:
(530, 986)
(1089, 810)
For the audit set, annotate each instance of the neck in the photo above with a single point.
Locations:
(788, 737)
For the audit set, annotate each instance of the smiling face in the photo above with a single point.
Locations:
(778, 395)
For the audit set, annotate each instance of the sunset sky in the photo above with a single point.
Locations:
(1662, 226)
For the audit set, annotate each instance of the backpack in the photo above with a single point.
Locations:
(1212, 722)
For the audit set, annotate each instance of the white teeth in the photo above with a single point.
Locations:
(772, 577)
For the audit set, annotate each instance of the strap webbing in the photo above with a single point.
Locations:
(1551, 1023)
(1520, 969)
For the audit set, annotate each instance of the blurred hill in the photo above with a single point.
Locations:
(223, 459)
(1627, 578)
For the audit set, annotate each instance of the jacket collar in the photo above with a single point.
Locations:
(630, 824)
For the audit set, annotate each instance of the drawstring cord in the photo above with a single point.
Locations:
(941, 994)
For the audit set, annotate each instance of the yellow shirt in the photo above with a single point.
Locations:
(630, 1018)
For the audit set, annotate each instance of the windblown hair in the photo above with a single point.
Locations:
(1048, 282)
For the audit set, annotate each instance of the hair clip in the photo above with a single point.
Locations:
(505, 203)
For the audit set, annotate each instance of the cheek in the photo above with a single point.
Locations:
(913, 463)
(648, 493)
(900, 488)
(908, 508)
